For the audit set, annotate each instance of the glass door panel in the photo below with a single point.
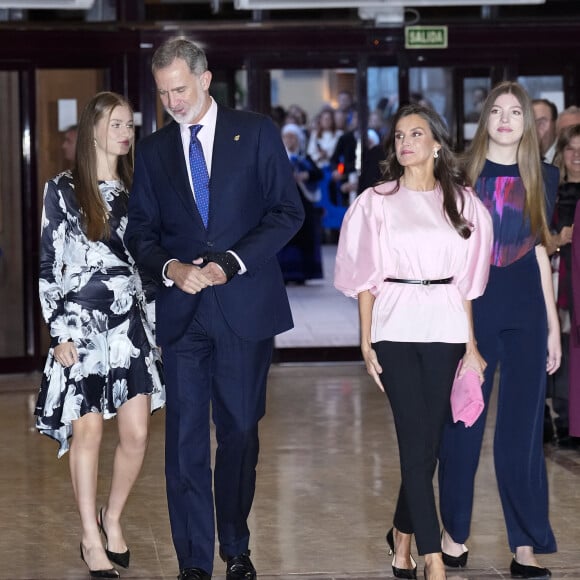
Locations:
(434, 87)
(382, 95)
(545, 87)
(475, 90)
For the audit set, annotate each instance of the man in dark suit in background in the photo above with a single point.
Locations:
(222, 297)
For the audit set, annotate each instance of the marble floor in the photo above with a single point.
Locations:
(327, 481)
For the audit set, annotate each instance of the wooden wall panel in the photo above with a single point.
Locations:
(52, 85)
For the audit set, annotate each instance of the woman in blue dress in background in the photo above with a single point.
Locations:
(102, 361)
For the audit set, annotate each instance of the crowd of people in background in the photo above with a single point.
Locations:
(330, 169)
(559, 139)
(333, 171)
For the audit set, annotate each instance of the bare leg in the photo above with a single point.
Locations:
(133, 423)
(84, 467)
(402, 550)
(525, 555)
(449, 546)
(434, 567)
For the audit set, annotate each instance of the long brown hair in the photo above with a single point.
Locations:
(528, 155)
(447, 170)
(566, 135)
(86, 183)
(319, 129)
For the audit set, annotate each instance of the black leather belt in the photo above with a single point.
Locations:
(422, 282)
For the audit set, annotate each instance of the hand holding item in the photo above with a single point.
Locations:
(473, 360)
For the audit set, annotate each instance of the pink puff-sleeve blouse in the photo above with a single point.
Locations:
(407, 235)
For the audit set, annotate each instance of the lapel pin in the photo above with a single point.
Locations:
(237, 138)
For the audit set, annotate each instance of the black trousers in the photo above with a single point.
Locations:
(417, 378)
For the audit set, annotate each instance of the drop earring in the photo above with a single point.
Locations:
(95, 143)
(435, 154)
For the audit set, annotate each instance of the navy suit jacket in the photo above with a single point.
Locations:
(254, 210)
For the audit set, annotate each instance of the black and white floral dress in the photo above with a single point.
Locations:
(91, 294)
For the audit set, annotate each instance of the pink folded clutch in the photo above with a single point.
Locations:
(466, 397)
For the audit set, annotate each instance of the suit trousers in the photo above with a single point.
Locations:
(417, 378)
(511, 330)
(211, 367)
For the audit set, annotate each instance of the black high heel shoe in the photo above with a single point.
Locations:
(409, 573)
(119, 558)
(110, 573)
(454, 561)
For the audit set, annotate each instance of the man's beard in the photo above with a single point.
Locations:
(190, 115)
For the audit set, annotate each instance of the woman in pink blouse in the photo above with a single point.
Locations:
(415, 250)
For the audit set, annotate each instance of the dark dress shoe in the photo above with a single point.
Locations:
(109, 573)
(193, 574)
(454, 561)
(406, 573)
(239, 567)
(119, 558)
(518, 570)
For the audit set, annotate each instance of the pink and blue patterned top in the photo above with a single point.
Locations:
(502, 192)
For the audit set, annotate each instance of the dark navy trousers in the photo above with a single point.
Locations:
(511, 330)
(211, 367)
(417, 377)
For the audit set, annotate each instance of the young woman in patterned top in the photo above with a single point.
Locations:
(516, 324)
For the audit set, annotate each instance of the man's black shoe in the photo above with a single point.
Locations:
(193, 574)
(239, 567)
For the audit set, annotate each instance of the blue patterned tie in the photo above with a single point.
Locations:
(199, 174)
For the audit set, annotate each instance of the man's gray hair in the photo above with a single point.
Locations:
(180, 47)
(571, 110)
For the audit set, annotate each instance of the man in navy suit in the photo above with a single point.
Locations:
(221, 299)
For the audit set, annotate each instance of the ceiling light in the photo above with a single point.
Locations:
(305, 4)
(48, 4)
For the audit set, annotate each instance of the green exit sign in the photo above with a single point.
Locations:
(425, 36)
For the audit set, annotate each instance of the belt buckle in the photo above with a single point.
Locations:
(425, 282)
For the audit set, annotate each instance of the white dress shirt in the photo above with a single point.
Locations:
(206, 138)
